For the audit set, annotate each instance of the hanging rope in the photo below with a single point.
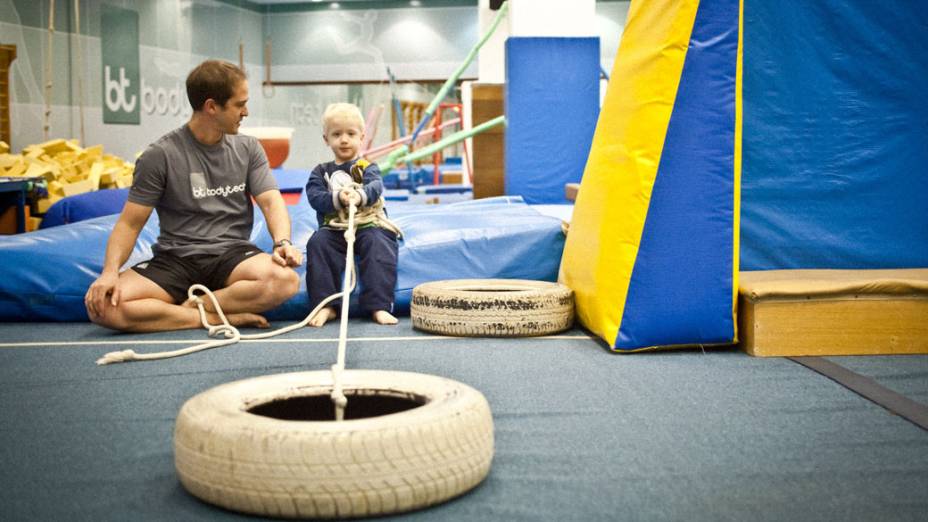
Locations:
(48, 71)
(80, 68)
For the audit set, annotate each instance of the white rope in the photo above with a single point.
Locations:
(338, 396)
(233, 335)
(372, 214)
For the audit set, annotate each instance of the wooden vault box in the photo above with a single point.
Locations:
(833, 312)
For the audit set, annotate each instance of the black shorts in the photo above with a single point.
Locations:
(175, 274)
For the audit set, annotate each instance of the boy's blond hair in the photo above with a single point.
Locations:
(349, 111)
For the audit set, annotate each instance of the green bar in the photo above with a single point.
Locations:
(439, 145)
(449, 83)
(387, 164)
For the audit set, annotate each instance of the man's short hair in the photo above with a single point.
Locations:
(214, 79)
(348, 111)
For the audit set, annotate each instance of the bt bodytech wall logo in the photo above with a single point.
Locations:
(120, 57)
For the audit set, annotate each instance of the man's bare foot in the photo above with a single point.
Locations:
(323, 316)
(384, 317)
(247, 319)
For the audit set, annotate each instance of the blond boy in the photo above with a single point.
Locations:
(331, 189)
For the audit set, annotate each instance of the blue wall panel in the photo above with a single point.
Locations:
(835, 171)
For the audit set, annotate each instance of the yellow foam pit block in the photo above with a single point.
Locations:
(4, 147)
(78, 187)
(68, 174)
(96, 171)
(66, 158)
(94, 153)
(54, 146)
(8, 160)
(124, 181)
(41, 159)
(54, 170)
(83, 166)
(36, 170)
(110, 175)
(55, 188)
(32, 223)
(790, 313)
(46, 203)
(17, 169)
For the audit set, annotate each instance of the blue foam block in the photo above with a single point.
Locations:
(552, 104)
(85, 206)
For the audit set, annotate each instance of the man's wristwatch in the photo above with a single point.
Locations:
(282, 242)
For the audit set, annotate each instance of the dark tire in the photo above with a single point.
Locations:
(492, 307)
(376, 465)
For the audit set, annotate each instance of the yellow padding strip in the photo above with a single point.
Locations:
(739, 114)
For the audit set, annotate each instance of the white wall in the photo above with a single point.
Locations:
(176, 35)
(552, 17)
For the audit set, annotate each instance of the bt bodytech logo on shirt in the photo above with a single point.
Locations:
(200, 190)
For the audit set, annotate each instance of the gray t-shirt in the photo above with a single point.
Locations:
(202, 193)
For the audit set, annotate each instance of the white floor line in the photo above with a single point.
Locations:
(51, 344)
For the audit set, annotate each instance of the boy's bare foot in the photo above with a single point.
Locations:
(323, 316)
(384, 317)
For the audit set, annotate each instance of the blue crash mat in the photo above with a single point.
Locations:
(45, 274)
(291, 180)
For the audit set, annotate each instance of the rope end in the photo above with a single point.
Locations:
(116, 357)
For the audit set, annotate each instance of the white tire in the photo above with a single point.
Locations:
(369, 466)
(492, 307)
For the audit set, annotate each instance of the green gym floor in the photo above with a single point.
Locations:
(580, 433)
